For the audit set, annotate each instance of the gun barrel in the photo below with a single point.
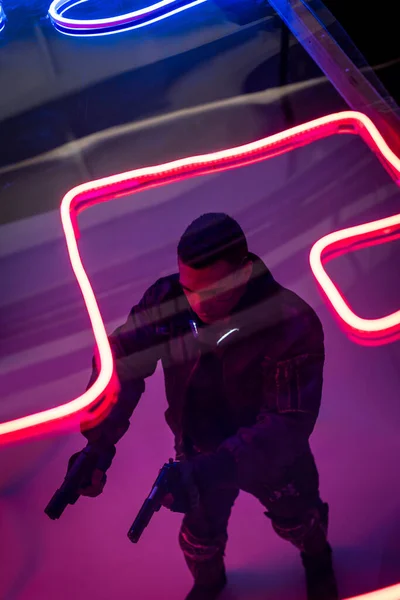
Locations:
(58, 504)
(154, 500)
(142, 520)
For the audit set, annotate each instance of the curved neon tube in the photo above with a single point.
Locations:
(383, 227)
(83, 196)
(3, 18)
(87, 405)
(111, 25)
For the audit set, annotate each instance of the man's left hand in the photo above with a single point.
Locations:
(216, 469)
(185, 494)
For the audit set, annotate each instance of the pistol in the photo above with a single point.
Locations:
(169, 480)
(80, 472)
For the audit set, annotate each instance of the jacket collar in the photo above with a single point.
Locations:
(260, 285)
(259, 305)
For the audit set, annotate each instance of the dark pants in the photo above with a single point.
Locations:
(293, 505)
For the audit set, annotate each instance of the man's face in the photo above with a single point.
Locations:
(214, 291)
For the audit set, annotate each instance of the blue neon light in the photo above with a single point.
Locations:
(62, 6)
(3, 18)
(126, 22)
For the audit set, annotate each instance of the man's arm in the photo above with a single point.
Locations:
(136, 347)
(292, 392)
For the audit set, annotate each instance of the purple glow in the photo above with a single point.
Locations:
(111, 25)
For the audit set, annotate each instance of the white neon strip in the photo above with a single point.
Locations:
(68, 7)
(221, 339)
(3, 18)
(59, 7)
(389, 593)
(137, 26)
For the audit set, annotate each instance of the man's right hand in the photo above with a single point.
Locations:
(95, 484)
(185, 495)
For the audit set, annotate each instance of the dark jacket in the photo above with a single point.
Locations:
(255, 391)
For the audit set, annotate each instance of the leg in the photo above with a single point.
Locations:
(294, 506)
(299, 516)
(203, 535)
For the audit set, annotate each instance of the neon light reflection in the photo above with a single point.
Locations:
(127, 22)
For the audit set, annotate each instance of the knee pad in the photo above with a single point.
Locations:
(308, 533)
(201, 549)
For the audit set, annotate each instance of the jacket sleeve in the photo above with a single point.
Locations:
(136, 347)
(292, 392)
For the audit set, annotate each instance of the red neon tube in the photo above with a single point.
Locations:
(93, 404)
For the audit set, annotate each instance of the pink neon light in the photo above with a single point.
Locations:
(367, 331)
(92, 405)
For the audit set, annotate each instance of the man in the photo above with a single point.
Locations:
(243, 362)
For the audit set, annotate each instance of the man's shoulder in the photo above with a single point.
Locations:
(301, 320)
(166, 285)
(295, 304)
(163, 289)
